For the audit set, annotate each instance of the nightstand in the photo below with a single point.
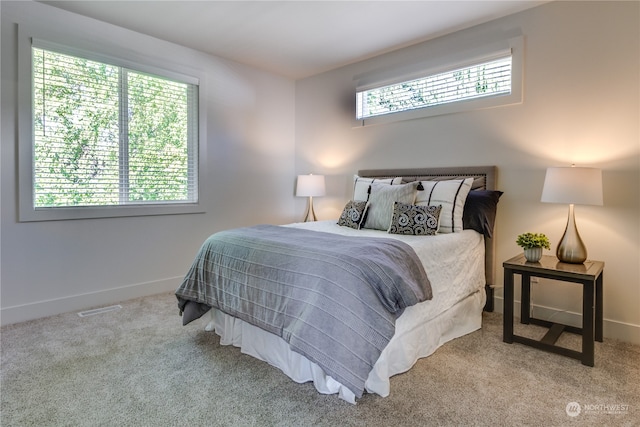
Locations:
(589, 275)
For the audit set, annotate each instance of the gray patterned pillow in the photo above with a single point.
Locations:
(381, 201)
(353, 214)
(416, 220)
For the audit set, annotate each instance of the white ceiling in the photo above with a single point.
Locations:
(295, 39)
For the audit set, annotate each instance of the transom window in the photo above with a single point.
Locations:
(481, 80)
(481, 76)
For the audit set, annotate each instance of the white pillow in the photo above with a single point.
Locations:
(451, 194)
(381, 201)
(361, 186)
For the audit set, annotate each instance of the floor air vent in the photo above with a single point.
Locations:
(99, 310)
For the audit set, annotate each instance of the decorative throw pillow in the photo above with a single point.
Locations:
(381, 201)
(416, 220)
(361, 185)
(480, 211)
(451, 194)
(353, 214)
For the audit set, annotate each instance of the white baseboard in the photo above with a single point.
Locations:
(39, 309)
(611, 328)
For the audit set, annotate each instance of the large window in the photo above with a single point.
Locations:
(106, 136)
(484, 77)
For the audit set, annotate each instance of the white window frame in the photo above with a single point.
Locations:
(442, 64)
(114, 55)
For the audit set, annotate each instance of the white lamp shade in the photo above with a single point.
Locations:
(310, 186)
(571, 185)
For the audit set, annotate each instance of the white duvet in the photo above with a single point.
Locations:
(455, 266)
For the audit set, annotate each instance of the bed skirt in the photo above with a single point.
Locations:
(412, 340)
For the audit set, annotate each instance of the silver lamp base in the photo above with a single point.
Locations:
(571, 248)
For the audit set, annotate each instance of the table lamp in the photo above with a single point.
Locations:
(572, 185)
(310, 186)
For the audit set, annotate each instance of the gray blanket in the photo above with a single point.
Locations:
(333, 298)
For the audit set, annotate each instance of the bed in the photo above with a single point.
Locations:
(433, 288)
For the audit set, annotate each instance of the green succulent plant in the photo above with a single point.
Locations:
(533, 240)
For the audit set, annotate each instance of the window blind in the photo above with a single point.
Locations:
(106, 135)
(484, 79)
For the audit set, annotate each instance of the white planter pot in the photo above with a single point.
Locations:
(533, 254)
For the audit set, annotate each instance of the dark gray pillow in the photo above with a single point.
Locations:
(415, 220)
(480, 211)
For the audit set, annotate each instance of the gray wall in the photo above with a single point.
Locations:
(58, 266)
(581, 105)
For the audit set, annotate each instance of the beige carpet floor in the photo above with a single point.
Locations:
(139, 367)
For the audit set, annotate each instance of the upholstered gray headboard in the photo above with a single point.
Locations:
(484, 179)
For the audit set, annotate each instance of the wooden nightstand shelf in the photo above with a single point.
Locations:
(588, 274)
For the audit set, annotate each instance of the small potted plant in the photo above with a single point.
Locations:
(533, 243)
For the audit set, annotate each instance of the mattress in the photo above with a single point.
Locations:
(455, 265)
